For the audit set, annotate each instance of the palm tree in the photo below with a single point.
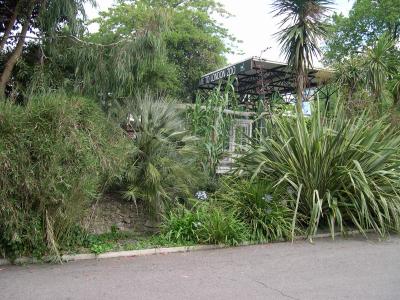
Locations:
(163, 162)
(379, 64)
(395, 89)
(350, 76)
(303, 27)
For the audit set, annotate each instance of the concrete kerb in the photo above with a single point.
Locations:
(142, 252)
(152, 251)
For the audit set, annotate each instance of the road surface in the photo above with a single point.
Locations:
(342, 269)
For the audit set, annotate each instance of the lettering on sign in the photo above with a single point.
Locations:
(219, 75)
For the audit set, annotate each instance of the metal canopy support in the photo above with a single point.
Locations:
(257, 78)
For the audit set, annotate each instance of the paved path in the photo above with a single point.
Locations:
(341, 269)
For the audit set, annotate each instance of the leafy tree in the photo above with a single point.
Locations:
(367, 21)
(109, 68)
(117, 67)
(36, 17)
(195, 43)
(374, 73)
(303, 27)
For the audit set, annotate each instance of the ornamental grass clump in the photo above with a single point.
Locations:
(265, 208)
(204, 223)
(56, 154)
(344, 172)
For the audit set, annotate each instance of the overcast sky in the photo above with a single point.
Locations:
(253, 23)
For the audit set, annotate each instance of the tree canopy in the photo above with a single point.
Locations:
(159, 45)
(195, 43)
(367, 21)
(299, 38)
(38, 18)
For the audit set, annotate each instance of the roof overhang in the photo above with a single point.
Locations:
(255, 76)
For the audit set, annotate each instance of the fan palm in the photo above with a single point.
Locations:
(303, 24)
(162, 164)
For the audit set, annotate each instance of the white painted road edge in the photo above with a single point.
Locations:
(144, 252)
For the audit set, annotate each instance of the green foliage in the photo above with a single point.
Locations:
(107, 67)
(299, 39)
(163, 46)
(371, 74)
(40, 19)
(154, 241)
(367, 21)
(105, 242)
(162, 167)
(116, 64)
(205, 224)
(222, 227)
(207, 120)
(181, 225)
(380, 63)
(56, 155)
(344, 172)
(350, 76)
(195, 42)
(264, 207)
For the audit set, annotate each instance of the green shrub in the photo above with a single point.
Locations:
(204, 224)
(219, 226)
(259, 204)
(180, 225)
(162, 167)
(344, 172)
(56, 155)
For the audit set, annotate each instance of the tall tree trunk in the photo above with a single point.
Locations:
(7, 32)
(352, 90)
(12, 60)
(396, 96)
(299, 92)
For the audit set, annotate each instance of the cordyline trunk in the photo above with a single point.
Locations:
(12, 60)
(396, 97)
(352, 90)
(379, 98)
(299, 92)
(7, 32)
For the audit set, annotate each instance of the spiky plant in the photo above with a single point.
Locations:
(205, 223)
(379, 62)
(350, 75)
(162, 167)
(344, 172)
(259, 204)
(303, 27)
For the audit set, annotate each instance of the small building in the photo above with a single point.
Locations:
(256, 79)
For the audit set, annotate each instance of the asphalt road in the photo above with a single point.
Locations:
(340, 269)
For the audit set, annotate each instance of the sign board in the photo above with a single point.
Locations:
(226, 72)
